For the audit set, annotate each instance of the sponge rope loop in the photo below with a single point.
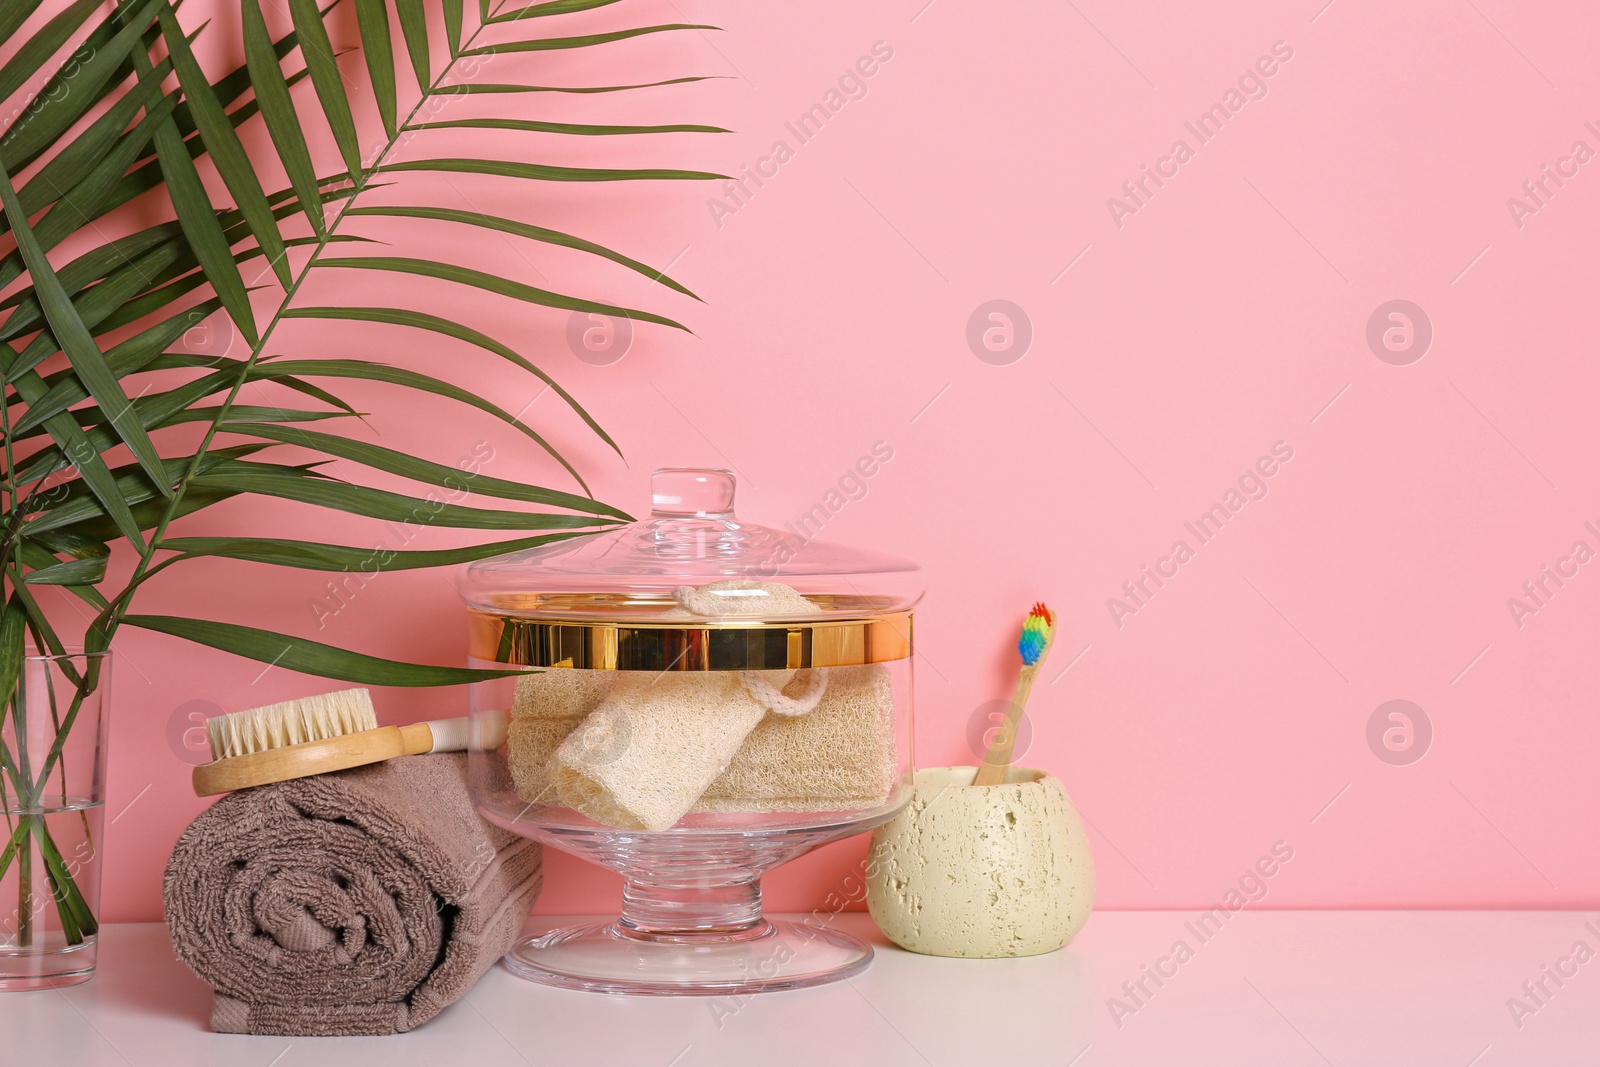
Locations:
(775, 700)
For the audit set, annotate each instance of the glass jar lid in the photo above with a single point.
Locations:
(693, 587)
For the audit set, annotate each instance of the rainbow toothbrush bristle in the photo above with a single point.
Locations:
(1037, 629)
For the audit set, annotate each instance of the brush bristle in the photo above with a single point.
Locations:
(1037, 630)
(293, 722)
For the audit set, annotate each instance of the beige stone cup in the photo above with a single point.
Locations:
(981, 871)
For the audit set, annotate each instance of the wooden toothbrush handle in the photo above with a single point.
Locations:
(998, 758)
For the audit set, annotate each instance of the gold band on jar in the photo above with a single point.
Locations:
(690, 646)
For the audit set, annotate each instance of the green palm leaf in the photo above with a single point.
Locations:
(257, 413)
(89, 147)
(199, 220)
(226, 151)
(533, 126)
(223, 379)
(79, 273)
(422, 470)
(523, 229)
(157, 411)
(97, 303)
(171, 408)
(150, 175)
(410, 379)
(450, 272)
(421, 320)
(550, 44)
(469, 88)
(71, 572)
(78, 414)
(144, 178)
(553, 7)
(106, 132)
(540, 172)
(283, 123)
(150, 514)
(452, 26)
(75, 505)
(84, 199)
(307, 487)
(238, 81)
(315, 556)
(13, 631)
(92, 470)
(86, 567)
(74, 89)
(87, 360)
(162, 294)
(309, 657)
(123, 359)
(325, 76)
(372, 16)
(13, 15)
(414, 25)
(42, 45)
(151, 301)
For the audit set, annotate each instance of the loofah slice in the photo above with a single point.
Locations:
(644, 756)
(560, 693)
(736, 597)
(839, 757)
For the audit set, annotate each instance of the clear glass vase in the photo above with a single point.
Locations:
(52, 782)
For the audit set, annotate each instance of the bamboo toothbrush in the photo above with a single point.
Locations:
(1038, 633)
(314, 735)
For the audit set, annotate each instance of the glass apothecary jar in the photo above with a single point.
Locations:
(703, 700)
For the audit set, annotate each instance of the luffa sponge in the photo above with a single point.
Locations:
(548, 706)
(648, 751)
(639, 750)
(838, 757)
(644, 756)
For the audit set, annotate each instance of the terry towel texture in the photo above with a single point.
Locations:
(360, 902)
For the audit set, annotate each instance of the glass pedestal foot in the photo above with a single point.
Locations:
(614, 958)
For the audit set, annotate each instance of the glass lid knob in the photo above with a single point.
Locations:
(691, 492)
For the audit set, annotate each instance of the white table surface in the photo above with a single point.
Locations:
(1272, 987)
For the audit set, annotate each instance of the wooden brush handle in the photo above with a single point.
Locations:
(416, 739)
(998, 759)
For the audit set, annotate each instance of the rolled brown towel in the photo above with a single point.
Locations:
(361, 902)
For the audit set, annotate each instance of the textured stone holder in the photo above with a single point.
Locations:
(982, 871)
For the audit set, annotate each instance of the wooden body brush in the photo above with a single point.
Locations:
(1038, 633)
(330, 732)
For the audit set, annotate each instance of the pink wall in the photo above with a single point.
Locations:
(1218, 319)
